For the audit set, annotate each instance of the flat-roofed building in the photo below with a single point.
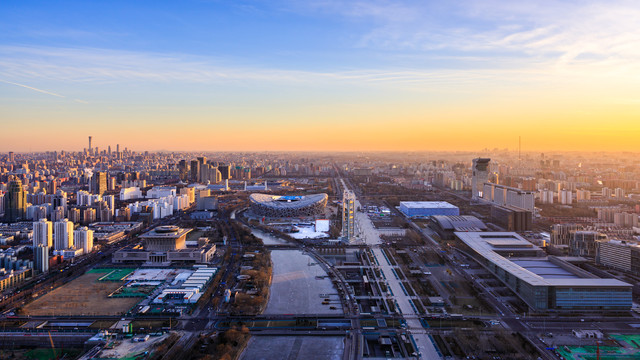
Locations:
(428, 208)
(445, 226)
(165, 245)
(621, 255)
(512, 218)
(543, 283)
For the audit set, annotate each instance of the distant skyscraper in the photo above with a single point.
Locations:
(195, 170)
(41, 258)
(11, 156)
(480, 175)
(90, 148)
(63, 234)
(15, 202)
(42, 233)
(224, 172)
(349, 215)
(83, 239)
(99, 183)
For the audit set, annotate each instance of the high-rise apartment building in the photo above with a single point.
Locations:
(63, 230)
(41, 258)
(349, 215)
(83, 239)
(42, 233)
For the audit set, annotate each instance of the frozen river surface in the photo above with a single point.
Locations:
(295, 288)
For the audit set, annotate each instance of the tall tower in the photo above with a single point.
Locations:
(90, 148)
(225, 171)
(480, 175)
(15, 202)
(99, 183)
(348, 215)
(195, 170)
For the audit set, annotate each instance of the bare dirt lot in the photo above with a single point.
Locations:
(83, 296)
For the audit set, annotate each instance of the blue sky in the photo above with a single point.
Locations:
(288, 64)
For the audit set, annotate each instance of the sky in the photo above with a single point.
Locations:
(320, 75)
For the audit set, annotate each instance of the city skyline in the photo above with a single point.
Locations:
(320, 76)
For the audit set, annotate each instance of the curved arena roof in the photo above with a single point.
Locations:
(286, 206)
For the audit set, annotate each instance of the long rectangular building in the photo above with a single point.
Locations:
(621, 255)
(508, 196)
(428, 208)
(544, 283)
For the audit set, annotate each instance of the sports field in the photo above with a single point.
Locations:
(628, 340)
(83, 296)
(590, 353)
(117, 274)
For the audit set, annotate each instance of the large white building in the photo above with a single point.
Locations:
(83, 239)
(130, 193)
(565, 197)
(158, 192)
(85, 198)
(546, 196)
(42, 233)
(63, 230)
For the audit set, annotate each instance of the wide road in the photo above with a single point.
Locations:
(371, 237)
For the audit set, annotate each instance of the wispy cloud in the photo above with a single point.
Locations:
(115, 66)
(563, 33)
(32, 88)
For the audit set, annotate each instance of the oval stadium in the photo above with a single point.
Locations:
(288, 206)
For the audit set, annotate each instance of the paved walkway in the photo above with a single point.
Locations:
(427, 349)
(368, 232)
(370, 235)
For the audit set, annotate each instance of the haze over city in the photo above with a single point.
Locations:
(361, 75)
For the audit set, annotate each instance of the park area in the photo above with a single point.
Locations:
(86, 295)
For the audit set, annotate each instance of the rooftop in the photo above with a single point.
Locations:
(459, 222)
(427, 204)
(166, 232)
(537, 271)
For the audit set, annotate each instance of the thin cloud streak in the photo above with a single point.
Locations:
(32, 88)
(114, 66)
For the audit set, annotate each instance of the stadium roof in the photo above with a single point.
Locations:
(287, 202)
